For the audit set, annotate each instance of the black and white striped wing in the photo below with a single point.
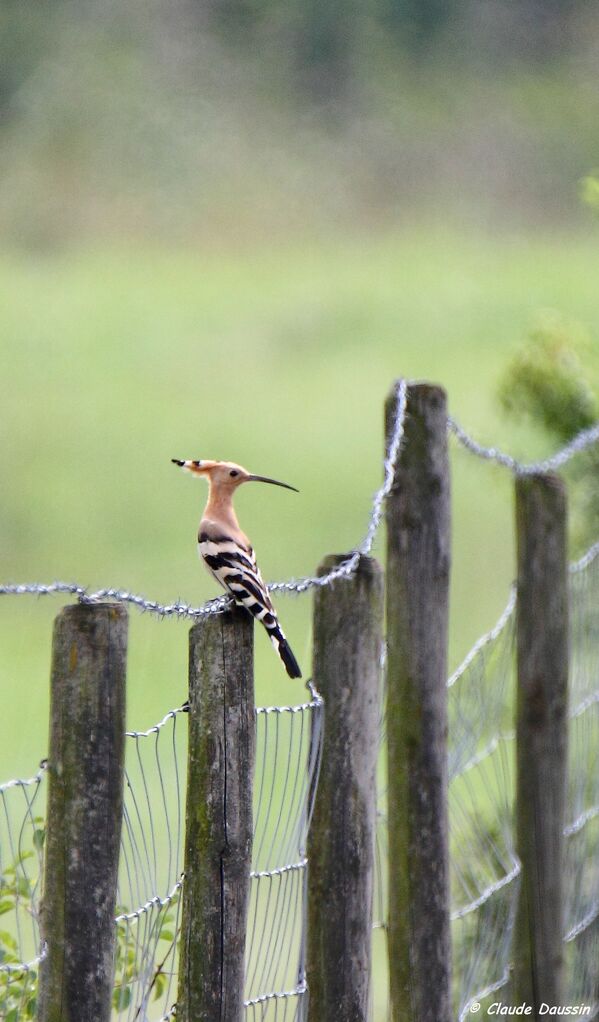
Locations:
(234, 567)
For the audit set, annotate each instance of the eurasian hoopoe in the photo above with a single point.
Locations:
(228, 554)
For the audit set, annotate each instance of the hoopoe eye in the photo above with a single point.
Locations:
(233, 472)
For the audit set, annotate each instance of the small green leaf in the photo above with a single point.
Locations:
(121, 999)
(8, 940)
(23, 887)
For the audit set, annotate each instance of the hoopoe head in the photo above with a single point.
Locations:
(226, 476)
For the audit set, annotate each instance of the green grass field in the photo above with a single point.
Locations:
(116, 360)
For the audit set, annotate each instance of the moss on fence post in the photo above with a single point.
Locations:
(218, 837)
(347, 669)
(418, 564)
(85, 808)
(542, 729)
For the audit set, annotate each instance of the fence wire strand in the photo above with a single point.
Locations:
(581, 871)
(482, 770)
(181, 609)
(148, 916)
(581, 442)
(484, 866)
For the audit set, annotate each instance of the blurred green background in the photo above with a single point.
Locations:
(225, 229)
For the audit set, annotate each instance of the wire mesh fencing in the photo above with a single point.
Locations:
(581, 871)
(151, 877)
(484, 864)
(485, 869)
(21, 851)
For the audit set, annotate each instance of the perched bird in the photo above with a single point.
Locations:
(227, 552)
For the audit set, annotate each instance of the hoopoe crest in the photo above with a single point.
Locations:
(227, 551)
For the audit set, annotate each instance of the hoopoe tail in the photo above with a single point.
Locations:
(284, 650)
(265, 613)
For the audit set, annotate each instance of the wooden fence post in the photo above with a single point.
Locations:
(85, 808)
(542, 651)
(347, 653)
(418, 563)
(218, 840)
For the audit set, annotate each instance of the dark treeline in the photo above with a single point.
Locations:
(329, 43)
(162, 116)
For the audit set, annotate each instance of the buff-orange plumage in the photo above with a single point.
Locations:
(228, 553)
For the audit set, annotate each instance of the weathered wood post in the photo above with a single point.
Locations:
(85, 807)
(542, 653)
(418, 563)
(347, 654)
(218, 840)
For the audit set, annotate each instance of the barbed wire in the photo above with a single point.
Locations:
(347, 567)
(141, 927)
(181, 609)
(151, 904)
(157, 727)
(473, 905)
(294, 867)
(19, 968)
(583, 440)
(178, 609)
(25, 782)
(299, 990)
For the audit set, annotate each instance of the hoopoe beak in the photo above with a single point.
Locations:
(190, 466)
(275, 482)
